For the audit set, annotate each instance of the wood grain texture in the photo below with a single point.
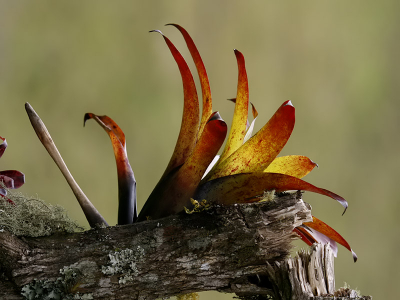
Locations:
(236, 249)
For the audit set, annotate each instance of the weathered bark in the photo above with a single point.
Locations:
(235, 249)
(309, 275)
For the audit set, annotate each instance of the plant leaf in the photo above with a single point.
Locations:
(260, 150)
(310, 237)
(173, 193)
(190, 118)
(7, 181)
(328, 231)
(304, 236)
(127, 208)
(17, 177)
(293, 165)
(249, 131)
(246, 187)
(238, 128)
(201, 70)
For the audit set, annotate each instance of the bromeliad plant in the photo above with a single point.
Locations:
(247, 167)
(11, 179)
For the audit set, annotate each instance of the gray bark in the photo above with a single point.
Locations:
(240, 249)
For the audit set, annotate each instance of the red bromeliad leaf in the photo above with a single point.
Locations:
(7, 181)
(10, 178)
(238, 128)
(174, 192)
(17, 177)
(127, 211)
(328, 231)
(310, 237)
(201, 70)
(293, 165)
(190, 118)
(304, 236)
(245, 187)
(260, 150)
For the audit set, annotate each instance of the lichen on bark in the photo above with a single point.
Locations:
(33, 217)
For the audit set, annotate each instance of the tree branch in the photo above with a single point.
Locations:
(223, 248)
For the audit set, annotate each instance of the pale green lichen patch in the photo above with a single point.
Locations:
(44, 289)
(124, 262)
(61, 288)
(30, 216)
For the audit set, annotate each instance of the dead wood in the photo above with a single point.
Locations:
(237, 249)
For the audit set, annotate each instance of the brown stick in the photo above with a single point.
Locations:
(92, 215)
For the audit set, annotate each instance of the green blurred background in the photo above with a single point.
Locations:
(336, 60)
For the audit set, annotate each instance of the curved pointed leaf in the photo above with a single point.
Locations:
(304, 236)
(328, 231)
(260, 150)
(293, 165)
(127, 211)
(201, 70)
(310, 237)
(238, 128)
(190, 118)
(173, 193)
(245, 187)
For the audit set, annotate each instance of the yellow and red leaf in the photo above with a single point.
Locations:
(239, 121)
(246, 187)
(260, 150)
(293, 165)
(201, 70)
(174, 192)
(190, 118)
(127, 211)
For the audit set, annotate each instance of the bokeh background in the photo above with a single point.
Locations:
(338, 61)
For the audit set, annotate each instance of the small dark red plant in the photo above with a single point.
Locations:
(11, 179)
